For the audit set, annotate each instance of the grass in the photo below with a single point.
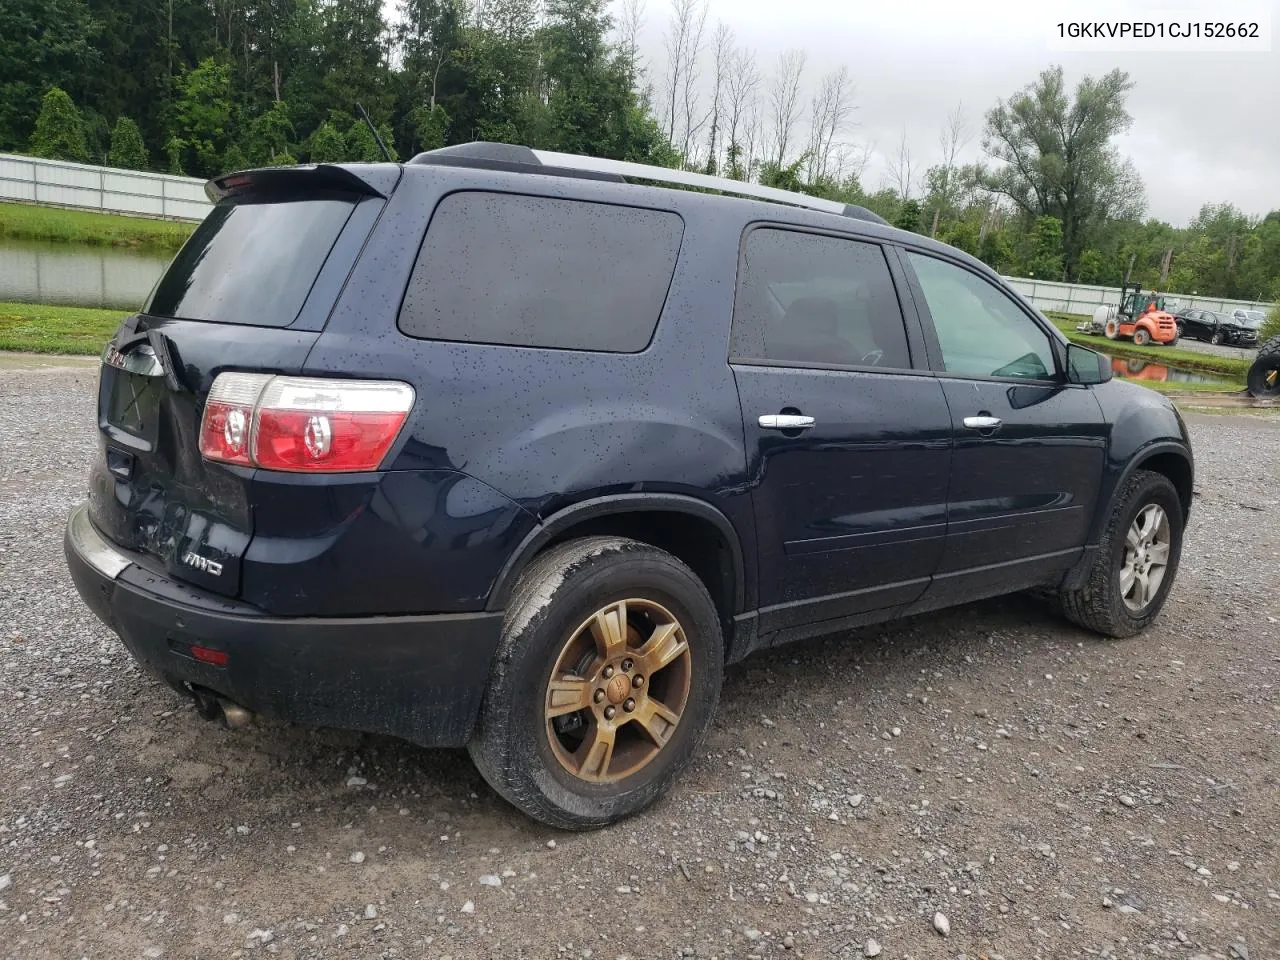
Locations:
(1174, 386)
(38, 329)
(1229, 368)
(24, 221)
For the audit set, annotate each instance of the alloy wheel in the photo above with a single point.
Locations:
(617, 690)
(1146, 557)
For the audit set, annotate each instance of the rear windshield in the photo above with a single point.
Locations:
(542, 272)
(251, 261)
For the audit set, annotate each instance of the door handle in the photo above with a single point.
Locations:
(984, 422)
(785, 421)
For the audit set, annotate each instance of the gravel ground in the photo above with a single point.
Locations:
(1221, 350)
(1049, 793)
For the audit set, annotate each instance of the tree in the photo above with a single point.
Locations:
(127, 149)
(59, 133)
(327, 145)
(902, 170)
(362, 147)
(784, 102)
(684, 44)
(1046, 249)
(43, 44)
(829, 115)
(235, 159)
(270, 136)
(908, 217)
(741, 87)
(1057, 159)
(203, 111)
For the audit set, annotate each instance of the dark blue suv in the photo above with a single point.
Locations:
(504, 449)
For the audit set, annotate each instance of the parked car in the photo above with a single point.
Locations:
(1252, 317)
(496, 448)
(1217, 328)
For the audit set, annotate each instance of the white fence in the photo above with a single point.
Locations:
(85, 187)
(1084, 298)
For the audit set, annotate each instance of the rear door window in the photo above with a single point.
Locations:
(817, 300)
(542, 272)
(251, 261)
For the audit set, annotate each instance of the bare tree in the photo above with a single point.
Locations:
(851, 160)
(722, 60)
(784, 102)
(945, 178)
(829, 115)
(630, 21)
(741, 89)
(902, 170)
(684, 41)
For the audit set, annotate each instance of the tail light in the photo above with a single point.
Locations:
(302, 424)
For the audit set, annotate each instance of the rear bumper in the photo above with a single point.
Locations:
(420, 678)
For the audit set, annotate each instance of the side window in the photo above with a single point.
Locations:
(541, 272)
(982, 332)
(806, 298)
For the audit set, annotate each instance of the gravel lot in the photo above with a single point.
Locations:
(1050, 793)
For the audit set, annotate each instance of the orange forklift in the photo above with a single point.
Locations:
(1142, 317)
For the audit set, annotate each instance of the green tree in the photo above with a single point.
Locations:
(1058, 158)
(430, 126)
(59, 132)
(43, 44)
(127, 149)
(235, 159)
(175, 151)
(908, 216)
(1090, 267)
(203, 111)
(327, 145)
(361, 145)
(1046, 249)
(270, 136)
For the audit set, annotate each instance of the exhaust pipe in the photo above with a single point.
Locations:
(210, 706)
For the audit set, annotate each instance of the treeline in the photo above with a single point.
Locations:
(205, 86)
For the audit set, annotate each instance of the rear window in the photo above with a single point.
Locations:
(251, 261)
(542, 272)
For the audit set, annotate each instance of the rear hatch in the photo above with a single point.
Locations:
(251, 290)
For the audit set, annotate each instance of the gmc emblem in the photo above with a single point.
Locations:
(201, 563)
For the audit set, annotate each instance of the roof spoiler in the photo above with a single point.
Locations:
(368, 179)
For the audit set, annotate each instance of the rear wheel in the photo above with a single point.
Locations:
(1141, 337)
(1112, 330)
(1264, 375)
(605, 682)
(1136, 561)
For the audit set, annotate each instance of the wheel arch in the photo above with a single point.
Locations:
(692, 530)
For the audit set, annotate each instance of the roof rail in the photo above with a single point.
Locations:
(517, 158)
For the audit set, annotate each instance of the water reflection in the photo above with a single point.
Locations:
(77, 275)
(1131, 368)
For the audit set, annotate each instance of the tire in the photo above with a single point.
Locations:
(1216, 339)
(1112, 330)
(1141, 337)
(1264, 375)
(1101, 605)
(565, 605)
(1174, 341)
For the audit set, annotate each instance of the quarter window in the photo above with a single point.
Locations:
(541, 272)
(981, 331)
(813, 299)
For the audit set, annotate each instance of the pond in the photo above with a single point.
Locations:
(1131, 368)
(77, 275)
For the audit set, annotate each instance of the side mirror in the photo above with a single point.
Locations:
(1087, 367)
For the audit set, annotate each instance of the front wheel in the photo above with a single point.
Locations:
(1216, 339)
(1141, 337)
(1136, 561)
(605, 682)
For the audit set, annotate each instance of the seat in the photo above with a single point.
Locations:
(809, 333)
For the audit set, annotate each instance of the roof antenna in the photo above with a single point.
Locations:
(374, 130)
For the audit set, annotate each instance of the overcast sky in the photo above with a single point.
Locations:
(1206, 125)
